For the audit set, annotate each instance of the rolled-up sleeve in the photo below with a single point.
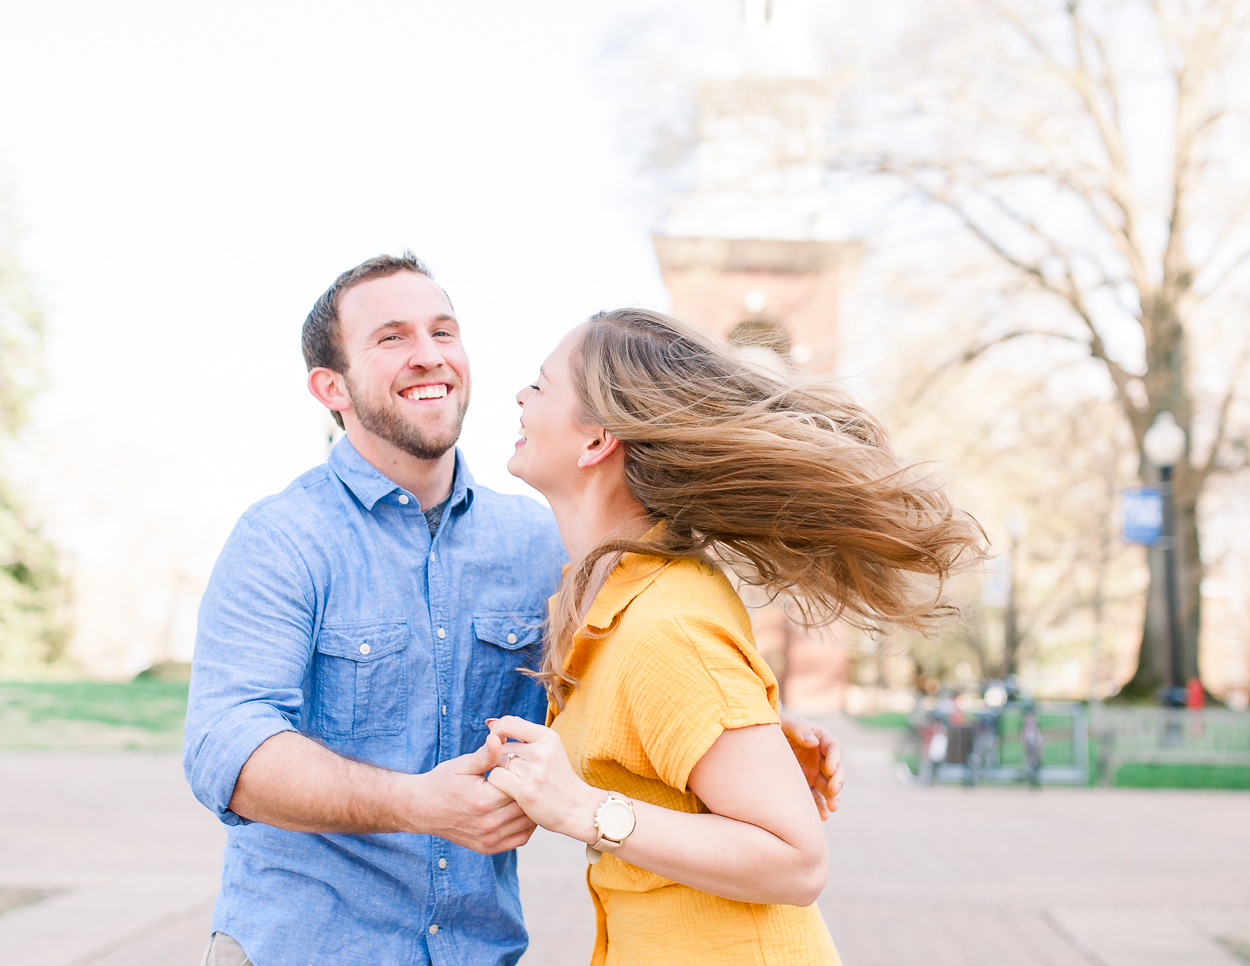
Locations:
(252, 654)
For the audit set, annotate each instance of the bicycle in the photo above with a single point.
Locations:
(986, 744)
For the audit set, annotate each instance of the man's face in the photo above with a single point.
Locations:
(407, 373)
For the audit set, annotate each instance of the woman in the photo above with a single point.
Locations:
(663, 456)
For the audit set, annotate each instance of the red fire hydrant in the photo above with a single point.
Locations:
(1195, 697)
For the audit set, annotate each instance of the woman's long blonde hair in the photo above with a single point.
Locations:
(786, 482)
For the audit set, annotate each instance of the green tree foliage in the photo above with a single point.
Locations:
(32, 590)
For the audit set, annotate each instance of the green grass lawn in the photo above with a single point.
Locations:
(92, 714)
(1228, 777)
(886, 719)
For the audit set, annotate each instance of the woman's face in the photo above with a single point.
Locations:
(552, 437)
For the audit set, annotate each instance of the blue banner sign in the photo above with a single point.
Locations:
(1141, 515)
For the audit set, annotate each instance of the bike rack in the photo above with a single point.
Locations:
(960, 746)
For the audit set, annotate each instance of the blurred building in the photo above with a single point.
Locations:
(756, 252)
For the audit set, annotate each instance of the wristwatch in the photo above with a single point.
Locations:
(614, 820)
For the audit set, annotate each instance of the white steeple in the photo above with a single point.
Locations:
(774, 40)
(763, 113)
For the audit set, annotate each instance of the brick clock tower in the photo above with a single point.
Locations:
(756, 252)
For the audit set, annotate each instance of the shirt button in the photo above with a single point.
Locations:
(444, 709)
(442, 863)
(441, 633)
(511, 638)
(364, 648)
(403, 498)
(433, 928)
(431, 558)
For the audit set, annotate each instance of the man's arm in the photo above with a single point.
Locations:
(242, 755)
(820, 756)
(292, 782)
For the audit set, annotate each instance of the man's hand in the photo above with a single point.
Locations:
(820, 757)
(294, 783)
(458, 803)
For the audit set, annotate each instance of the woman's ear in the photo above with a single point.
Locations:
(598, 448)
(329, 389)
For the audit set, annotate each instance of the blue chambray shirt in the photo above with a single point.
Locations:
(331, 611)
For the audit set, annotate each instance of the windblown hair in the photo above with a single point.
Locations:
(787, 482)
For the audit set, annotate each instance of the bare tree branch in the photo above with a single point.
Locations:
(1226, 274)
(1054, 156)
(1070, 293)
(975, 352)
(1222, 434)
(1117, 189)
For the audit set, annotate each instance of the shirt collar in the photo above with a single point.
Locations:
(634, 574)
(370, 485)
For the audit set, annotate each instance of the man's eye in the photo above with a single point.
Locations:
(443, 334)
(535, 388)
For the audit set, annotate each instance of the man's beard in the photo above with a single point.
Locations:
(387, 424)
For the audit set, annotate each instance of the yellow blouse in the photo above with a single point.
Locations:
(669, 664)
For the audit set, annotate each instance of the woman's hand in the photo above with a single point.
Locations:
(534, 769)
(821, 759)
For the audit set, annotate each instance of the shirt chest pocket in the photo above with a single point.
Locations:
(505, 642)
(507, 631)
(362, 680)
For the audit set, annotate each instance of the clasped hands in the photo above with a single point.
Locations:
(528, 770)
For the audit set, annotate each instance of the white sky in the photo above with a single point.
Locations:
(192, 178)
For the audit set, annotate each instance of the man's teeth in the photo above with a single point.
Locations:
(522, 433)
(437, 391)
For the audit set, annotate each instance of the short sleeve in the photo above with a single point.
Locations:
(693, 675)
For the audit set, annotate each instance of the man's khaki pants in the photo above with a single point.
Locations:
(224, 951)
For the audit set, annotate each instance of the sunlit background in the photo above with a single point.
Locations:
(1018, 230)
(181, 184)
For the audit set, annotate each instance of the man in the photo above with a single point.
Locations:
(357, 631)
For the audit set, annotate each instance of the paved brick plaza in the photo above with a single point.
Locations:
(127, 862)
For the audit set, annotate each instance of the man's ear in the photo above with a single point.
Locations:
(598, 449)
(330, 389)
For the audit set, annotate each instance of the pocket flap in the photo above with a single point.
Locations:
(509, 631)
(363, 642)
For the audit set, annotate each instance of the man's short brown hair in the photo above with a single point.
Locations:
(321, 339)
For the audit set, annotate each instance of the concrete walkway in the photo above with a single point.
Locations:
(1056, 877)
(127, 858)
(107, 860)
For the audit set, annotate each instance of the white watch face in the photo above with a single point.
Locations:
(616, 820)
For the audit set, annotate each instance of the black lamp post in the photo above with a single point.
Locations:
(1164, 444)
(1017, 525)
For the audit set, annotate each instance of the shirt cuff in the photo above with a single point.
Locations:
(213, 769)
(676, 768)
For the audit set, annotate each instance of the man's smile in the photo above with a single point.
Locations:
(431, 390)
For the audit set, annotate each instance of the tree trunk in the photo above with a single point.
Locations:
(1152, 656)
(1154, 665)
(1189, 564)
(1167, 387)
